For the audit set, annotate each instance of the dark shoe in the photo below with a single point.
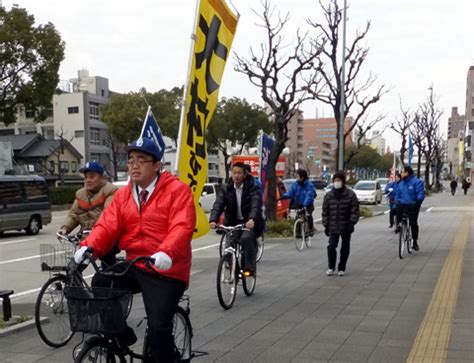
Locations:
(127, 337)
(311, 233)
(397, 229)
(415, 246)
(390, 226)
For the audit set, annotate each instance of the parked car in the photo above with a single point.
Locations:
(383, 182)
(368, 191)
(329, 187)
(288, 183)
(208, 196)
(24, 204)
(319, 183)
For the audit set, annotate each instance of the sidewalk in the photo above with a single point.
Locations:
(298, 314)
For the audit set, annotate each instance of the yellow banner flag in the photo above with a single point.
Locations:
(215, 29)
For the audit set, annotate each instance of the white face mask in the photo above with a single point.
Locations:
(337, 185)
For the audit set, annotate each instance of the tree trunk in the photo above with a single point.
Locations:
(419, 165)
(271, 181)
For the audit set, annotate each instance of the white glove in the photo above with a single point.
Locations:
(79, 256)
(162, 261)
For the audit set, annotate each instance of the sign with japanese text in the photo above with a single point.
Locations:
(253, 161)
(215, 29)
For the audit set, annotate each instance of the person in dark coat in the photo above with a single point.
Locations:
(390, 191)
(340, 215)
(241, 201)
(454, 186)
(465, 185)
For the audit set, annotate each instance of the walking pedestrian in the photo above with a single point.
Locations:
(340, 215)
(454, 186)
(465, 185)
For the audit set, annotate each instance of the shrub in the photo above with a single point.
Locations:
(280, 228)
(365, 212)
(62, 195)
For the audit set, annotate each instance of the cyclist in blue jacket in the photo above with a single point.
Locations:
(390, 191)
(302, 192)
(409, 197)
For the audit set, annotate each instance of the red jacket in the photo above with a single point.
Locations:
(166, 223)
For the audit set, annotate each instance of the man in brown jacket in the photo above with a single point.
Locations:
(90, 201)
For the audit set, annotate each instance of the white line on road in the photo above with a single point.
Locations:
(386, 212)
(205, 247)
(18, 241)
(429, 210)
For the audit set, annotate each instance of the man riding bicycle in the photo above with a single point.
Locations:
(302, 194)
(390, 191)
(241, 199)
(155, 216)
(409, 196)
(89, 204)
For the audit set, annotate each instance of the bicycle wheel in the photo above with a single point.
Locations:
(298, 234)
(182, 332)
(226, 281)
(307, 240)
(401, 240)
(260, 247)
(248, 283)
(408, 239)
(51, 304)
(97, 353)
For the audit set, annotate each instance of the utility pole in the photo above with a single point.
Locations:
(340, 161)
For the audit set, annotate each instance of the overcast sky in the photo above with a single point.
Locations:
(413, 44)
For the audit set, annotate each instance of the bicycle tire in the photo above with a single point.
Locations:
(307, 240)
(298, 234)
(183, 334)
(249, 283)
(260, 247)
(226, 282)
(222, 245)
(56, 310)
(98, 352)
(408, 240)
(401, 240)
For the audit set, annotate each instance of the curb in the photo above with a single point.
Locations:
(19, 327)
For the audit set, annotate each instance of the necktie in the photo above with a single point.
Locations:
(143, 195)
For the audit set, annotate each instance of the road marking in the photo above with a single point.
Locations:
(18, 241)
(432, 340)
(386, 212)
(205, 247)
(429, 210)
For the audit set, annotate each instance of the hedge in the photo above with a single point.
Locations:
(62, 195)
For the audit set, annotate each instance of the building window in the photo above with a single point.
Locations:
(48, 134)
(95, 157)
(79, 133)
(95, 136)
(74, 109)
(64, 166)
(102, 93)
(73, 166)
(51, 166)
(30, 113)
(94, 111)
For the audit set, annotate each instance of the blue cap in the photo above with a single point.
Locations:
(92, 166)
(147, 146)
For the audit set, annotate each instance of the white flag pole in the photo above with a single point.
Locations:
(185, 89)
(144, 121)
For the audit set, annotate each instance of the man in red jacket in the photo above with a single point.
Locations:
(153, 216)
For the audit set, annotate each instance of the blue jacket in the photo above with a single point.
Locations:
(391, 194)
(410, 191)
(301, 194)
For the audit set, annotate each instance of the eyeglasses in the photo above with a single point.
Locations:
(139, 162)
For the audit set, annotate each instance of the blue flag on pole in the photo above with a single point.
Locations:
(152, 131)
(410, 149)
(266, 145)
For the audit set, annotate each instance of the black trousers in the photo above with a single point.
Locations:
(161, 296)
(453, 190)
(412, 212)
(310, 210)
(345, 250)
(248, 241)
(392, 216)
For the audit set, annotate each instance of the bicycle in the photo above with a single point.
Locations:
(229, 270)
(103, 312)
(226, 241)
(404, 237)
(301, 230)
(51, 314)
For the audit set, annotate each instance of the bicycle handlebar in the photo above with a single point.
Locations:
(147, 259)
(232, 228)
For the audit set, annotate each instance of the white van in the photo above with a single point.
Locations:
(208, 196)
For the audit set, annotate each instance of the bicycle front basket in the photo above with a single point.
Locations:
(97, 310)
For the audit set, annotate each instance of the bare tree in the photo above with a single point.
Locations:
(402, 127)
(291, 160)
(115, 147)
(58, 152)
(285, 79)
(359, 95)
(417, 131)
